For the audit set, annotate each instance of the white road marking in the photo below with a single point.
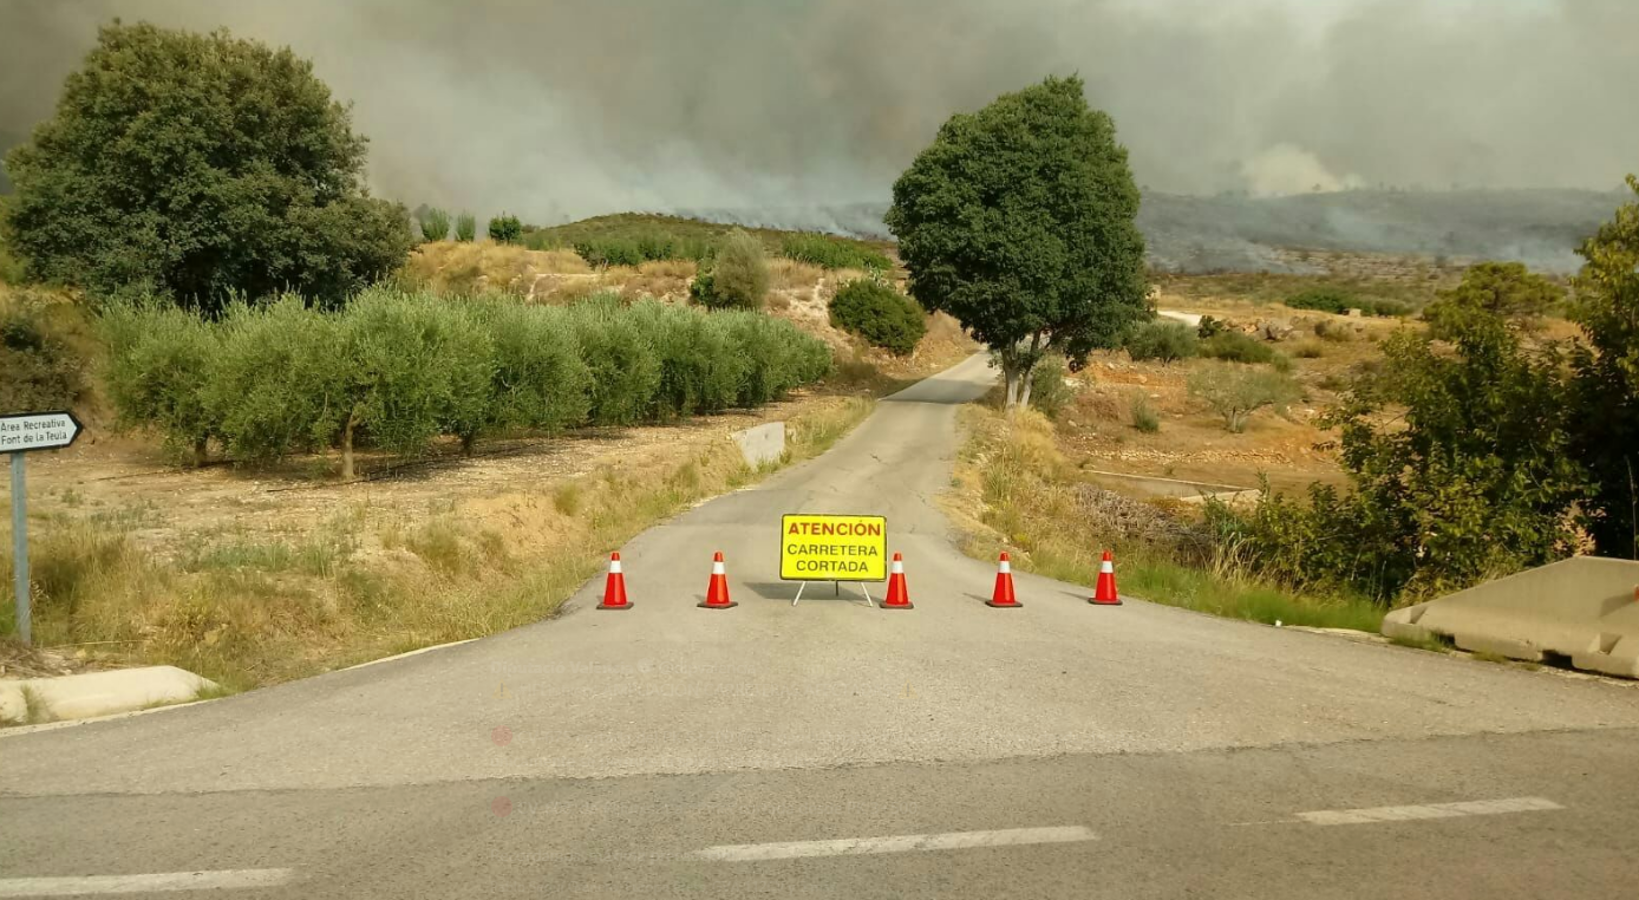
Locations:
(1431, 811)
(141, 884)
(903, 843)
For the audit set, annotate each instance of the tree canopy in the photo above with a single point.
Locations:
(203, 166)
(1019, 221)
(1607, 379)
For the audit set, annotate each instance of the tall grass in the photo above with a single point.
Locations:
(1013, 477)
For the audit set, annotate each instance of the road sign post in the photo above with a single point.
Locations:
(21, 434)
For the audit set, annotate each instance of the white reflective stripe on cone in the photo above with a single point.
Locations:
(614, 567)
(1006, 567)
(716, 568)
(1106, 566)
(898, 567)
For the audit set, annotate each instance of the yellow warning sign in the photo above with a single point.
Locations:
(833, 548)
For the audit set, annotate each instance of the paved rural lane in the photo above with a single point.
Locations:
(833, 749)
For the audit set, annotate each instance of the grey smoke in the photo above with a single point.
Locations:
(569, 108)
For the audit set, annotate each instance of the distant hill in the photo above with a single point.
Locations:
(1541, 228)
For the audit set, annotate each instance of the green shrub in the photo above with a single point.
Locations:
(1236, 347)
(274, 379)
(413, 366)
(160, 364)
(435, 223)
(1339, 302)
(832, 253)
(738, 278)
(540, 383)
(881, 315)
(622, 359)
(1048, 391)
(701, 364)
(38, 371)
(779, 356)
(1324, 299)
(1164, 341)
(466, 227)
(1236, 393)
(395, 370)
(1209, 328)
(506, 229)
(1144, 416)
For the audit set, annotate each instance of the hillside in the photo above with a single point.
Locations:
(1541, 228)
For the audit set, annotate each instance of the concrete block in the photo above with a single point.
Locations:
(1585, 610)
(763, 444)
(100, 693)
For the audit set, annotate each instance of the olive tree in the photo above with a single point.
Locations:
(1019, 221)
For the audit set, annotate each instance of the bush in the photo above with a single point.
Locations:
(540, 382)
(38, 372)
(738, 278)
(701, 365)
(466, 227)
(1165, 341)
(832, 253)
(160, 364)
(646, 246)
(1236, 347)
(1236, 393)
(881, 315)
(779, 356)
(274, 380)
(1048, 391)
(1209, 328)
(1145, 418)
(395, 370)
(622, 359)
(435, 223)
(1324, 299)
(506, 229)
(205, 166)
(1339, 302)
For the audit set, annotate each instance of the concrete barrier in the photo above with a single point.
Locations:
(97, 693)
(1584, 610)
(763, 444)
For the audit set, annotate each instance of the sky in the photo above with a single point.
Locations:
(556, 109)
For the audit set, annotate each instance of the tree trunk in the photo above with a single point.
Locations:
(1025, 385)
(200, 449)
(468, 441)
(1012, 378)
(347, 448)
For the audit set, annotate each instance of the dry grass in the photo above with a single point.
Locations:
(455, 267)
(1014, 490)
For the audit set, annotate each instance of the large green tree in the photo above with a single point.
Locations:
(200, 165)
(1607, 379)
(1019, 221)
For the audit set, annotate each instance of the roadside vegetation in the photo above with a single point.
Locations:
(394, 371)
(1015, 490)
(257, 603)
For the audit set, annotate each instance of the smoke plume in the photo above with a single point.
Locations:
(567, 108)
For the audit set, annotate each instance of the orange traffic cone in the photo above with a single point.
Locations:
(717, 591)
(898, 597)
(614, 590)
(1104, 592)
(1002, 597)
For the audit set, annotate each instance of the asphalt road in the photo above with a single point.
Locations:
(835, 750)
